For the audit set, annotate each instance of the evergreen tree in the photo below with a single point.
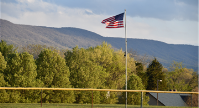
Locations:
(142, 74)
(139, 67)
(154, 73)
(53, 72)
(134, 98)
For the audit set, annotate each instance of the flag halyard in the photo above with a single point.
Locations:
(114, 21)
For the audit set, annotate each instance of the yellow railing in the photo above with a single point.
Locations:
(91, 89)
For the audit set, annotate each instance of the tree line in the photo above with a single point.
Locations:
(99, 67)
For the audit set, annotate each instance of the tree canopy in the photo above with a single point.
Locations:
(134, 98)
(181, 78)
(53, 72)
(99, 67)
(6, 49)
(154, 73)
(4, 96)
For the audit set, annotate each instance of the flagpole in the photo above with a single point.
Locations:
(126, 57)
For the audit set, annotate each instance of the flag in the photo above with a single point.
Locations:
(114, 21)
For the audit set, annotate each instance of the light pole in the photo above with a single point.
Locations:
(157, 90)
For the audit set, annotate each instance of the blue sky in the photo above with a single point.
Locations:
(170, 21)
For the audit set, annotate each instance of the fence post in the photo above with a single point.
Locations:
(41, 97)
(141, 99)
(191, 100)
(92, 99)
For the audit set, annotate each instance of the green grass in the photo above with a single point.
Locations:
(62, 105)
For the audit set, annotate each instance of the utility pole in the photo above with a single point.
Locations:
(157, 90)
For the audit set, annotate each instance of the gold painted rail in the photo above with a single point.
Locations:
(91, 89)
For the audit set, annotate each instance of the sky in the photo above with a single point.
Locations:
(169, 21)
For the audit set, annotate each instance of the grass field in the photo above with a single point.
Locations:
(62, 105)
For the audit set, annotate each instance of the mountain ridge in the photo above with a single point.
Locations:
(68, 37)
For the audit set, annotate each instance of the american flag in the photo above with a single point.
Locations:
(114, 21)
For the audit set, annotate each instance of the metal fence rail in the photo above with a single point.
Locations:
(91, 89)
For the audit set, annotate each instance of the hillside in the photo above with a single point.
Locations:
(21, 35)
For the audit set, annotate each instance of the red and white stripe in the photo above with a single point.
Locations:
(112, 23)
(111, 19)
(116, 24)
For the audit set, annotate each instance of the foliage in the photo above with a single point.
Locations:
(140, 72)
(179, 78)
(103, 55)
(2, 63)
(6, 49)
(193, 101)
(85, 74)
(95, 67)
(139, 67)
(3, 94)
(108, 66)
(53, 72)
(114, 64)
(134, 98)
(21, 72)
(154, 73)
(194, 81)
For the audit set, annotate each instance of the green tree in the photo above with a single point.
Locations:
(6, 49)
(53, 72)
(110, 66)
(114, 64)
(21, 72)
(134, 98)
(180, 78)
(4, 96)
(194, 81)
(2, 63)
(140, 72)
(85, 74)
(154, 73)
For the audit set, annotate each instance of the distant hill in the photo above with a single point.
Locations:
(67, 37)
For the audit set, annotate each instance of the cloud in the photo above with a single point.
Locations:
(141, 25)
(41, 13)
(23, 1)
(89, 12)
(159, 9)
